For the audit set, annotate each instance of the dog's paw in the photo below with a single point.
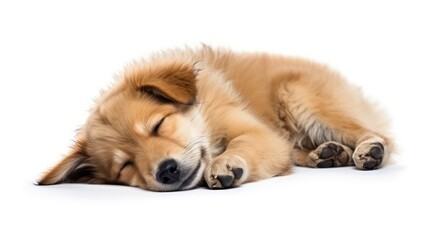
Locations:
(369, 155)
(225, 172)
(330, 154)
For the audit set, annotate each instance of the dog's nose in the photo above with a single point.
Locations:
(168, 172)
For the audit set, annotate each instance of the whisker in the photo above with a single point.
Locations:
(195, 141)
(198, 111)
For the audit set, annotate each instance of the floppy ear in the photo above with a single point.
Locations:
(176, 84)
(73, 168)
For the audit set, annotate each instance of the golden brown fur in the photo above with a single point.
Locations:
(224, 117)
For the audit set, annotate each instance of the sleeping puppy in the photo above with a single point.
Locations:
(223, 118)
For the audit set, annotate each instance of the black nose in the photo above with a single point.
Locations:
(168, 173)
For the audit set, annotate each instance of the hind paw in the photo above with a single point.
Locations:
(369, 155)
(330, 154)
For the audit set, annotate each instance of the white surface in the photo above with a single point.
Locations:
(54, 58)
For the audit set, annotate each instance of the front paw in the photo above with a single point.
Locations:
(225, 172)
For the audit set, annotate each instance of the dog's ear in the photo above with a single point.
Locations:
(73, 168)
(175, 83)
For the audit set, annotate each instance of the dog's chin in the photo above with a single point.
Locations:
(194, 178)
(196, 175)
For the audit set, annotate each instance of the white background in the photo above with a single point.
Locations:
(56, 55)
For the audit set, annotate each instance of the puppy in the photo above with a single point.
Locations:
(223, 118)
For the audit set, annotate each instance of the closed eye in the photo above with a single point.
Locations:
(126, 164)
(155, 130)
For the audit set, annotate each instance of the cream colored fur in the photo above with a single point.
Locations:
(226, 118)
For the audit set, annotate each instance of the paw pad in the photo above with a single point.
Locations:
(225, 180)
(330, 154)
(326, 164)
(238, 172)
(369, 155)
(223, 174)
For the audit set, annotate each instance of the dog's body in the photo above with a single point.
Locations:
(228, 118)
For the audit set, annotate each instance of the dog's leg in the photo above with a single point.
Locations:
(333, 123)
(368, 155)
(253, 152)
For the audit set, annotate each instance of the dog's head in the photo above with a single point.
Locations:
(146, 131)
